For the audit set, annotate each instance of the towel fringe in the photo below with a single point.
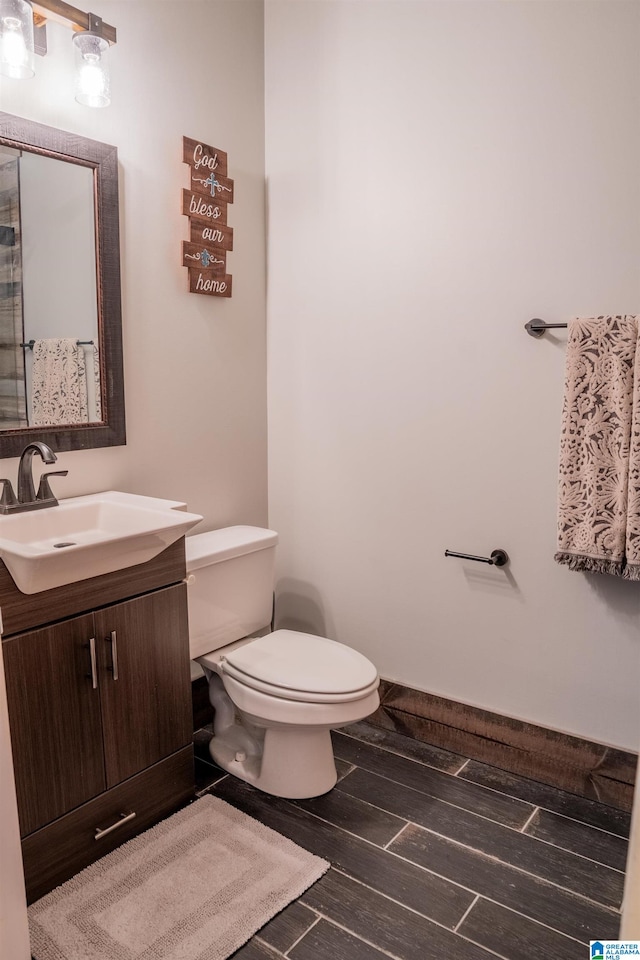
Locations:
(615, 567)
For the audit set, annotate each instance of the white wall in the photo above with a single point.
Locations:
(438, 174)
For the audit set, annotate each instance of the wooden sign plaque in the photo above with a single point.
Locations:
(205, 203)
(204, 281)
(200, 156)
(217, 236)
(197, 207)
(212, 260)
(212, 185)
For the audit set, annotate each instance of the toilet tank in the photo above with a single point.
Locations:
(230, 576)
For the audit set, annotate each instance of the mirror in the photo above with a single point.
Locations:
(60, 315)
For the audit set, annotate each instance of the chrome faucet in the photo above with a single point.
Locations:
(27, 499)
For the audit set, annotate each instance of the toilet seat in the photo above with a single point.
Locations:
(300, 666)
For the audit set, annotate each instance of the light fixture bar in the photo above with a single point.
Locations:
(64, 13)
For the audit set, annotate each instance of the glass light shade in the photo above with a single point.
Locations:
(16, 39)
(93, 85)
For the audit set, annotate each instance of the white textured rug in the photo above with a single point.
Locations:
(194, 887)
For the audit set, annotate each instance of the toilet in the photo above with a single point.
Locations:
(276, 695)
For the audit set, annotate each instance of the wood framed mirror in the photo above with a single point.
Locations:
(59, 283)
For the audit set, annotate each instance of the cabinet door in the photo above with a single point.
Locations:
(146, 700)
(54, 716)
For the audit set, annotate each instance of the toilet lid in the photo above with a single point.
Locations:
(301, 663)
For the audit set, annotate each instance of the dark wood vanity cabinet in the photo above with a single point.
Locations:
(55, 718)
(100, 713)
(146, 712)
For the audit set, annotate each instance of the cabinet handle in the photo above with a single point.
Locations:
(124, 818)
(92, 658)
(113, 640)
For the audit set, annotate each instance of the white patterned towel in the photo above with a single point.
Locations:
(599, 476)
(59, 382)
(95, 360)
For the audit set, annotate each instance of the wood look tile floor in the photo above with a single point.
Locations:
(434, 856)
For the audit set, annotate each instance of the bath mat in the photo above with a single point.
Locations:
(194, 887)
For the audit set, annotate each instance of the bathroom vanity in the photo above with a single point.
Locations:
(98, 690)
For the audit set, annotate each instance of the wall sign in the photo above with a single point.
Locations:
(205, 203)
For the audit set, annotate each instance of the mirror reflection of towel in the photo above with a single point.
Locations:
(59, 382)
(97, 402)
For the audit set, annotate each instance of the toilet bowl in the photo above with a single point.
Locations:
(276, 695)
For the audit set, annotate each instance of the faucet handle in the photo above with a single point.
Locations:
(44, 490)
(8, 497)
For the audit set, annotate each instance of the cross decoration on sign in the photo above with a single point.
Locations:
(205, 204)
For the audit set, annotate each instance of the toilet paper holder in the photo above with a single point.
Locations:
(498, 557)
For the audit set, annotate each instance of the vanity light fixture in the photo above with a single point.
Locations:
(93, 86)
(91, 41)
(16, 39)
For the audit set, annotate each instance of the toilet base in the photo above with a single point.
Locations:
(260, 738)
(295, 762)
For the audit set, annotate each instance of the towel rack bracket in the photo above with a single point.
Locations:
(499, 557)
(537, 328)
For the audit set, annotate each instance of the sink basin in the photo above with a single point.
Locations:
(87, 536)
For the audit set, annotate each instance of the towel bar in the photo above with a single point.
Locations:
(498, 558)
(536, 328)
(81, 343)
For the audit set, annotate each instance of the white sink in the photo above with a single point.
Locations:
(87, 536)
